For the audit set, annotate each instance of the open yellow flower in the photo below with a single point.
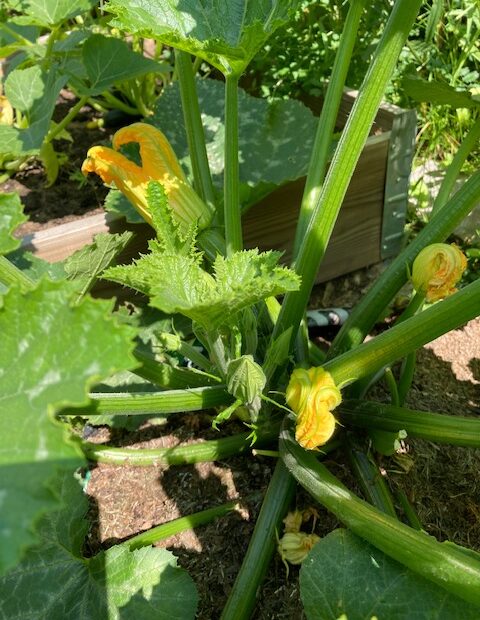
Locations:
(159, 163)
(312, 395)
(436, 270)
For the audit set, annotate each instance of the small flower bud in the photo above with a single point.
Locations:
(436, 270)
(293, 547)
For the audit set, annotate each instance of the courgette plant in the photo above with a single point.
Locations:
(59, 344)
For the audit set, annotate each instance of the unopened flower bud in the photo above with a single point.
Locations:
(436, 270)
(294, 546)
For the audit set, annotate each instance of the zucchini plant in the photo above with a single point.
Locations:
(249, 352)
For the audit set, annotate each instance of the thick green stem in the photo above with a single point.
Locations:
(278, 498)
(211, 450)
(57, 130)
(328, 117)
(233, 221)
(373, 304)
(155, 403)
(468, 144)
(15, 35)
(242, 599)
(408, 336)
(371, 481)
(176, 526)
(118, 104)
(194, 128)
(52, 37)
(437, 427)
(454, 568)
(13, 276)
(406, 377)
(346, 156)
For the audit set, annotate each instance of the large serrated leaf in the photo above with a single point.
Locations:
(87, 264)
(108, 60)
(343, 574)
(226, 34)
(54, 581)
(51, 353)
(179, 284)
(51, 12)
(275, 139)
(11, 216)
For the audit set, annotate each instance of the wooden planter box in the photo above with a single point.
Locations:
(369, 228)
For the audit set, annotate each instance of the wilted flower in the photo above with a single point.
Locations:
(312, 395)
(293, 521)
(294, 546)
(159, 163)
(436, 270)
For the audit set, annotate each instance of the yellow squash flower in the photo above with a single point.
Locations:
(436, 270)
(312, 395)
(159, 163)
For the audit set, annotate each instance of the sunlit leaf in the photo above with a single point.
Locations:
(51, 353)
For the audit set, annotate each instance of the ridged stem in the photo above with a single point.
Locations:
(179, 525)
(454, 568)
(211, 450)
(436, 427)
(328, 117)
(243, 596)
(194, 128)
(408, 336)
(233, 222)
(343, 164)
(155, 403)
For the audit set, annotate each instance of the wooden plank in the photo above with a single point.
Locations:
(355, 239)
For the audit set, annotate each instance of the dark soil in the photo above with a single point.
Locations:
(72, 195)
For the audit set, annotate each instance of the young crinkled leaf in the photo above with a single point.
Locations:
(226, 34)
(54, 581)
(172, 276)
(179, 284)
(11, 216)
(52, 351)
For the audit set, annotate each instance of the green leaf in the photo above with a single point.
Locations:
(437, 93)
(116, 202)
(87, 264)
(275, 139)
(38, 102)
(343, 574)
(52, 353)
(11, 216)
(179, 284)
(51, 12)
(226, 34)
(54, 581)
(109, 60)
(24, 86)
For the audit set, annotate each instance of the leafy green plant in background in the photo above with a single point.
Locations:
(443, 47)
(51, 45)
(67, 356)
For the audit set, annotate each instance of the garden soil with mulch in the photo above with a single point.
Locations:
(443, 483)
